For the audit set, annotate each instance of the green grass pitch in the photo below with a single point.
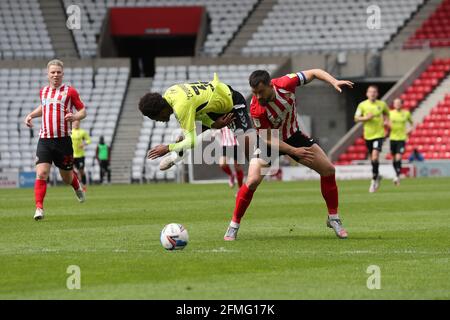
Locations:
(284, 249)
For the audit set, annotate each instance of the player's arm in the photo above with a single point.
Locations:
(87, 138)
(79, 115)
(36, 113)
(96, 154)
(79, 106)
(411, 123)
(324, 76)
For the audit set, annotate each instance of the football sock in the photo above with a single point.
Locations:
(243, 199)
(75, 183)
(226, 168)
(398, 167)
(40, 188)
(240, 177)
(375, 165)
(83, 179)
(330, 193)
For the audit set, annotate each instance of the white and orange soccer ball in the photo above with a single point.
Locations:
(174, 237)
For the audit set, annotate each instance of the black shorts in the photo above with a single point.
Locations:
(297, 140)
(104, 165)
(376, 144)
(55, 150)
(242, 122)
(228, 151)
(397, 147)
(78, 163)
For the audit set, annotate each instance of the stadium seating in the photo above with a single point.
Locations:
(311, 26)
(435, 31)
(412, 96)
(23, 33)
(226, 18)
(153, 133)
(102, 91)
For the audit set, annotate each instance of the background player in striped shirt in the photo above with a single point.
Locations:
(55, 145)
(80, 138)
(397, 123)
(273, 106)
(230, 151)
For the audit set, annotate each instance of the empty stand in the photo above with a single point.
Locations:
(23, 33)
(435, 31)
(311, 26)
(226, 18)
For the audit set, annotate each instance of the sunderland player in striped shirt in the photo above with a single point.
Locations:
(230, 150)
(273, 106)
(57, 113)
(397, 123)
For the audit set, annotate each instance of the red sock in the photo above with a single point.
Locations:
(330, 193)
(40, 188)
(240, 177)
(75, 183)
(243, 199)
(227, 170)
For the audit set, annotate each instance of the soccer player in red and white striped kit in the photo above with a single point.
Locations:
(273, 106)
(57, 101)
(230, 151)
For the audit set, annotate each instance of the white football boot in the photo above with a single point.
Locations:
(39, 214)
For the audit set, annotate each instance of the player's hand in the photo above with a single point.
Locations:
(158, 151)
(223, 121)
(28, 121)
(369, 116)
(304, 154)
(70, 117)
(179, 138)
(342, 83)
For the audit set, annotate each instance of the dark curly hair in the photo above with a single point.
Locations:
(151, 104)
(257, 77)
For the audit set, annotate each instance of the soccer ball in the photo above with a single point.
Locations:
(174, 237)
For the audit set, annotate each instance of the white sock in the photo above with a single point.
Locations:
(333, 216)
(234, 224)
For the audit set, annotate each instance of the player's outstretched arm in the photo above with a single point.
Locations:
(326, 77)
(33, 114)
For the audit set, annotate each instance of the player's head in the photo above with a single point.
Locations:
(261, 86)
(372, 92)
(154, 106)
(55, 72)
(76, 124)
(398, 103)
(101, 140)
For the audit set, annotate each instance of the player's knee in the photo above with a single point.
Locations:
(223, 165)
(252, 183)
(42, 175)
(329, 171)
(67, 179)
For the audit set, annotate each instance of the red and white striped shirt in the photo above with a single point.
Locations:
(56, 104)
(227, 138)
(281, 113)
